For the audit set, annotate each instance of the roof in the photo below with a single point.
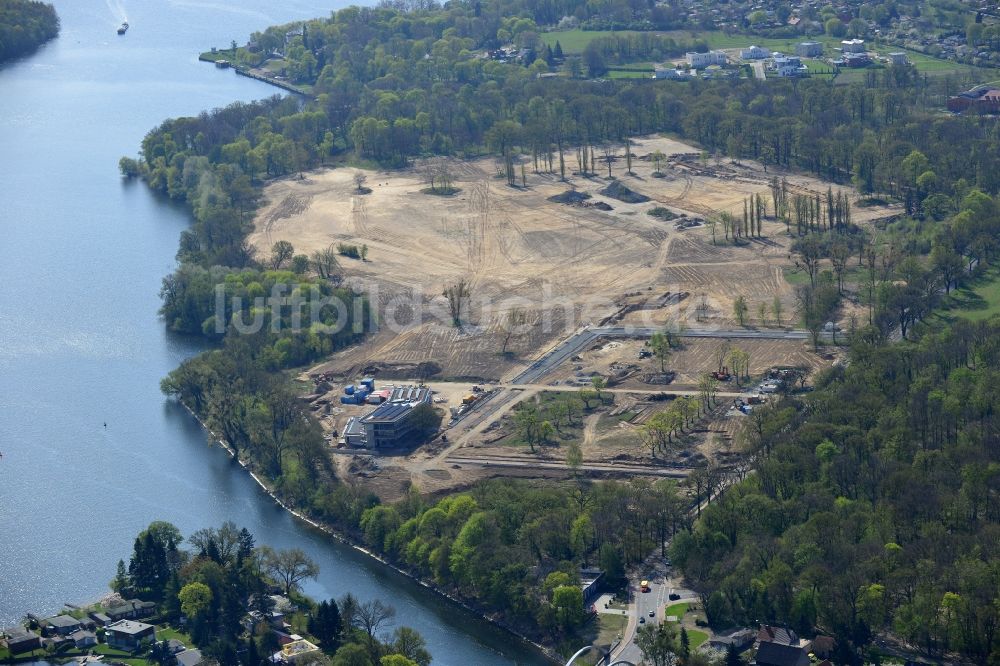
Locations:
(778, 654)
(63, 621)
(300, 646)
(353, 427)
(189, 658)
(777, 635)
(81, 634)
(14, 636)
(130, 627)
(388, 412)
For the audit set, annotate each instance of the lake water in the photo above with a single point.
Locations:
(82, 254)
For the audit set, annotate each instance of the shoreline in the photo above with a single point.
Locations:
(244, 71)
(340, 538)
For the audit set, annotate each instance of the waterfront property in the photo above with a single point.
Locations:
(129, 634)
(391, 423)
(133, 609)
(20, 640)
(63, 625)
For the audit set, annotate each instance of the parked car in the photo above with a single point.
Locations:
(642, 620)
(652, 613)
(673, 596)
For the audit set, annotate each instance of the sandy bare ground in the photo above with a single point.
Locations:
(565, 265)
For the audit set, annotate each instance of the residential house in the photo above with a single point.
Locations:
(740, 639)
(702, 60)
(83, 638)
(21, 640)
(780, 654)
(771, 634)
(101, 619)
(809, 49)
(63, 625)
(295, 652)
(129, 634)
(133, 609)
(755, 53)
(853, 46)
(788, 66)
(189, 658)
(670, 74)
(980, 100)
(856, 60)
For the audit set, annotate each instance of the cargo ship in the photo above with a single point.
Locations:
(122, 28)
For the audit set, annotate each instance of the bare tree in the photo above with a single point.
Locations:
(281, 252)
(609, 154)
(290, 567)
(512, 325)
(359, 180)
(324, 262)
(371, 617)
(457, 295)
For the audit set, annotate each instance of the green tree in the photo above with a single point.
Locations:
(195, 598)
(740, 309)
(660, 345)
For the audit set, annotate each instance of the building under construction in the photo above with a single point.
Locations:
(390, 424)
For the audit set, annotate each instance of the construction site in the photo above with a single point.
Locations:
(561, 281)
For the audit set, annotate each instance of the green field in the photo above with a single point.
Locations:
(574, 41)
(696, 638)
(676, 609)
(978, 300)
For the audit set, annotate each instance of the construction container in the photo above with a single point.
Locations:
(368, 383)
(348, 400)
(375, 399)
(469, 399)
(360, 393)
(349, 390)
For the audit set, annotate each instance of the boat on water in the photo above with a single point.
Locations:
(122, 28)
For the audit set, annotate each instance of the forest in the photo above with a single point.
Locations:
(226, 587)
(24, 26)
(872, 504)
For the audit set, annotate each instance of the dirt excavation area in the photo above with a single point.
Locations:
(538, 267)
(563, 263)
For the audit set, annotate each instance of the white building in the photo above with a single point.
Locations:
(808, 49)
(755, 53)
(670, 74)
(898, 58)
(788, 66)
(702, 60)
(853, 46)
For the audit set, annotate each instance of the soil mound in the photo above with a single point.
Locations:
(618, 191)
(570, 197)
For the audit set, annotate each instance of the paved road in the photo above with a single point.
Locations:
(758, 70)
(587, 336)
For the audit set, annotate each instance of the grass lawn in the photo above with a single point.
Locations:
(696, 638)
(169, 633)
(574, 41)
(977, 300)
(610, 627)
(629, 74)
(119, 655)
(676, 609)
